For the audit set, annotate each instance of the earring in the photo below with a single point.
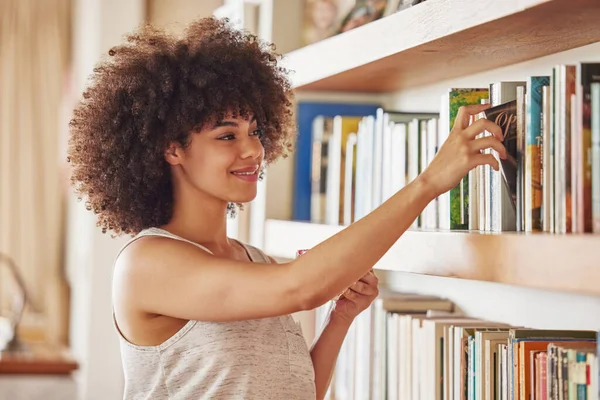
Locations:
(231, 210)
(261, 174)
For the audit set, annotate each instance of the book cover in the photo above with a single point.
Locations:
(459, 196)
(505, 116)
(502, 212)
(533, 153)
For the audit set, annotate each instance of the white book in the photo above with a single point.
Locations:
(398, 165)
(413, 151)
(349, 179)
(393, 351)
(386, 161)
(377, 157)
(369, 127)
(360, 172)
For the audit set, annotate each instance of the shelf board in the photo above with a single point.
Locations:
(569, 263)
(442, 39)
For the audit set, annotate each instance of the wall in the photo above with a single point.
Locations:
(173, 15)
(98, 25)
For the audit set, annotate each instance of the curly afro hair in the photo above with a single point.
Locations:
(156, 89)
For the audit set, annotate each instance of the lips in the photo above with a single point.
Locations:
(249, 174)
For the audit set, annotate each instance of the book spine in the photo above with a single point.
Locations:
(589, 76)
(595, 155)
(534, 154)
(521, 112)
(547, 162)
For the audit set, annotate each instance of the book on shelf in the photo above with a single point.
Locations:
(549, 182)
(411, 346)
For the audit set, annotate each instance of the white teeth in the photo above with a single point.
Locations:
(244, 173)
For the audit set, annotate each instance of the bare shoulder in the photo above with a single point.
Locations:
(151, 250)
(152, 257)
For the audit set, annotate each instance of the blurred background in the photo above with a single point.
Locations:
(55, 266)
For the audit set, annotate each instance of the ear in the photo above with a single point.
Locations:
(174, 154)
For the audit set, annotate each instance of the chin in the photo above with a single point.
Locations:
(243, 197)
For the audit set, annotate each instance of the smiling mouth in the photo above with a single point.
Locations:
(245, 173)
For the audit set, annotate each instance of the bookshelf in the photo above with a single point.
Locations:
(435, 41)
(568, 263)
(406, 60)
(442, 39)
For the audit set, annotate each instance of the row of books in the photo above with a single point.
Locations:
(409, 346)
(551, 179)
(549, 182)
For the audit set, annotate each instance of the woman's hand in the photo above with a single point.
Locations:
(462, 152)
(357, 297)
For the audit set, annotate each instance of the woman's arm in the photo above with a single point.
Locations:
(168, 277)
(325, 351)
(326, 348)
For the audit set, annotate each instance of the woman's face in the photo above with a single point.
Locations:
(223, 160)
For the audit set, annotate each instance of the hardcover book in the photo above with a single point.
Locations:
(505, 116)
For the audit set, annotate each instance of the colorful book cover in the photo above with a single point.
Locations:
(505, 116)
(459, 196)
(533, 153)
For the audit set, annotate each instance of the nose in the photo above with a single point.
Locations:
(251, 148)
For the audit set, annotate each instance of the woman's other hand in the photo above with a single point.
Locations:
(357, 297)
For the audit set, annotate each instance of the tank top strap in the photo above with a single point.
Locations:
(255, 253)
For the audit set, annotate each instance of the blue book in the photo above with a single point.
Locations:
(306, 113)
(533, 153)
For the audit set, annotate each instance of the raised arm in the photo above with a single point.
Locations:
(173, 278)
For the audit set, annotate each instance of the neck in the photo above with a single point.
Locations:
(199, 217)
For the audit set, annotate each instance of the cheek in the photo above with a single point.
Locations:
(211, 163)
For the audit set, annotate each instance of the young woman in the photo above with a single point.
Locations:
(170, 135)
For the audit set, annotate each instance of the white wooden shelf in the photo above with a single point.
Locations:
(569, 263)
(443, 39)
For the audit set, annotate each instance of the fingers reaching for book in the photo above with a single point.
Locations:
(483, 159)
(462, 150)
(464, 115)
(482, 125)
(489, 142)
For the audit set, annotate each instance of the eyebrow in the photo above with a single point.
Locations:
(231, 123)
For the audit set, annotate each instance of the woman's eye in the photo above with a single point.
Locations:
(228, 136)
(258, 132)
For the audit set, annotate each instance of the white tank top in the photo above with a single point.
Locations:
(252, 359)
